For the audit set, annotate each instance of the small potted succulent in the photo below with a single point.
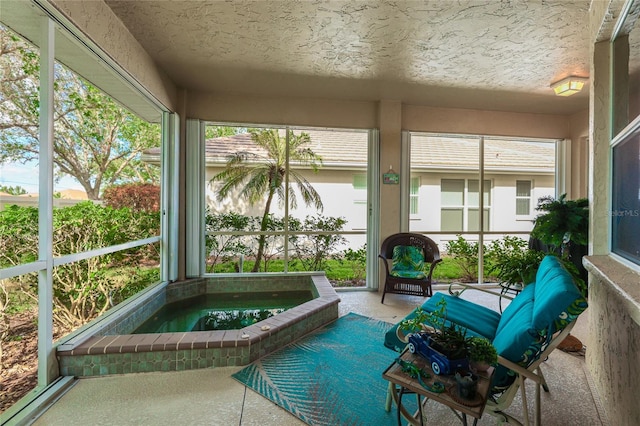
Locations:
(482, 353)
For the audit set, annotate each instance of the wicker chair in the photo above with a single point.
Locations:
(404, 256)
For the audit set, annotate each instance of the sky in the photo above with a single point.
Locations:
(26, 176)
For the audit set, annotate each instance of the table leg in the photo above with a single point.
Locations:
(400, 405)
(390, 391)
(402, 411)
(420, 409)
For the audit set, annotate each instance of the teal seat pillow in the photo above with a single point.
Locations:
(476, 318)
(558, 300)
(407, 262)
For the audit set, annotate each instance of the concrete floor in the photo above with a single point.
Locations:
(213, 397)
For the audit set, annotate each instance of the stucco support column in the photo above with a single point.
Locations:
(614, 308)
(390, 125)
(600, 131)
(389, 119)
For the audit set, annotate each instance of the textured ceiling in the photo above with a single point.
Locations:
(489, 54)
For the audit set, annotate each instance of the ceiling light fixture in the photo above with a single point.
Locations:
(568, 86)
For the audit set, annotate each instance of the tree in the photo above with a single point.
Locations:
(211, 132)
(96, 141)
(13, 190)
(260, 174)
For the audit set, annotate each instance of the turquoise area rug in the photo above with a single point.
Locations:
(332, 376)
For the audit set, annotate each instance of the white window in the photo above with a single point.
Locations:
(360, 185)
(460, 205)
(523, 198)
(414, 191)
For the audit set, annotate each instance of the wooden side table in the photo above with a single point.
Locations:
(400, 383)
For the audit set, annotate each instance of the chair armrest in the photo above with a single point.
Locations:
(432, 267)
(385, 262)
(520, 370)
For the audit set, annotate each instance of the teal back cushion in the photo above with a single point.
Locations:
(407, 262)
(557, 299)
(513, 339)
(525, 297)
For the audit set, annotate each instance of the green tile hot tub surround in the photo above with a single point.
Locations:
(113, 352)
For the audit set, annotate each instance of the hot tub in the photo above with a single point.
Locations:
(107, 347)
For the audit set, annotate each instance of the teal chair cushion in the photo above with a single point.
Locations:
(407, 262)
(476, 318)
(525, 297)
(557, 299)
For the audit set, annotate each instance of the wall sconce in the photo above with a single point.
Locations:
(568, 86)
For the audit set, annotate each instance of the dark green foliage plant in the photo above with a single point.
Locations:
(563, 226)
(18, 235)
(562, 222)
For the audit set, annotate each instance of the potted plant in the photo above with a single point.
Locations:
(563, 229)
(466, 384)
(431, 336)
(482, 353)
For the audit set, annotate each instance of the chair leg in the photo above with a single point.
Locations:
(525, 405)
(538, 409)
(384, 292)
(544, 384)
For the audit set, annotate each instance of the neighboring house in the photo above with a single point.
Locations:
(443, 185)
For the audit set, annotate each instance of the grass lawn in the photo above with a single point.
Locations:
(345, 273)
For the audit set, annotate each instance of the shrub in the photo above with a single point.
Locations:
(465, 256)
(82, 289)
(136, 196)
(313, 250)
(222, 248)
(358, 261)
(512, 261)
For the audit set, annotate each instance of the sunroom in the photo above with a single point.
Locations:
(428, 117)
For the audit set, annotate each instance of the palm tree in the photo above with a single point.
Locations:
(258, 174)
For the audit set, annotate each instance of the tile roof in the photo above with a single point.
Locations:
(349, 149)
(335, 147)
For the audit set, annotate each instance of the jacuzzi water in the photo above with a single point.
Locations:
(221, 311)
